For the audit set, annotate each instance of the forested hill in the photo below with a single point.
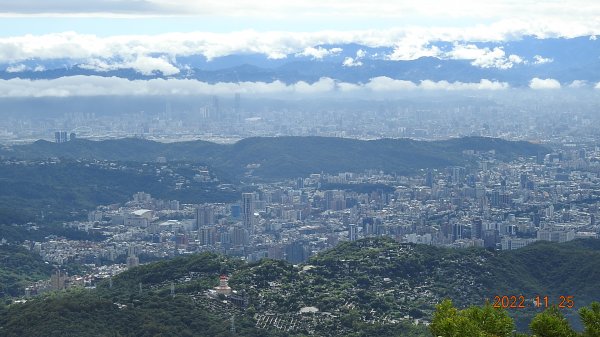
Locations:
(280, 157)
(18, 268)
(363, 288)
(382, 278)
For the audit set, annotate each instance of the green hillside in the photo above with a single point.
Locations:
(365, 288)
(382, 279)
(19, 267)
(68, 189)
(287, 156)
(86, 313)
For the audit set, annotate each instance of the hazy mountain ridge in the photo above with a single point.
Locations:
(278, 157)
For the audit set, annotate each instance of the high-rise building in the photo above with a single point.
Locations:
(429, 179)
(295, 252)
(523, 180)
(477, 232)
(236, 210)
(61, 136)
(132, 261)
(299, 183)
(238, 236)
(248, 211)
(352, 232)
(457, 231)
(207, 236)
(58, 280)
(457, 174)
(490, 238)
(275, 252)
(132, 258)
(329, 199)
(205, 216)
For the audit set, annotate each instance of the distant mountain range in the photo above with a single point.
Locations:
(513, 62)
(288, 157)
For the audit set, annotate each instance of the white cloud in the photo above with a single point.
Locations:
(411, 27)
(548, 83)
(537, 59)
(16, 68)
(145, 65)
(407, 44)
(485, 84)
(76, 46)
(412, 48)
(351, 62)
(75, 7)
(148, 65)
(482, 85)
(547, 13)
(482, 57)
(355, 61)
(323, 85)
(384, 83)
(39, 68)
(597, 86)
(114, 86)
(319, 52)
(98, 65)
(516, 59)
(578, 84)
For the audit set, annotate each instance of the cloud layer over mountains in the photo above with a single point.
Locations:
(115, 86)
(494, 57)
(405, 45)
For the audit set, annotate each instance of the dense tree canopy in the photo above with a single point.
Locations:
(488, 321)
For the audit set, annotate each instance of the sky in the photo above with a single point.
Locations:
(105, 28)
(95, 32)
(123, 17)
